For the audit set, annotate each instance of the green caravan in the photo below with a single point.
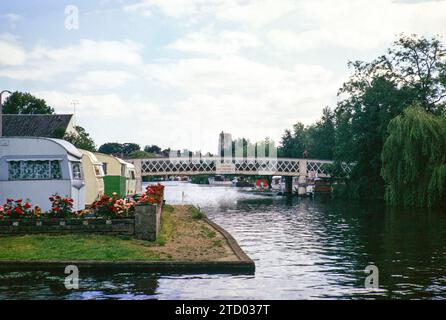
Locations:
(120, 176)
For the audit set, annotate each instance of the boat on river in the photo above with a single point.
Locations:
(219, 180)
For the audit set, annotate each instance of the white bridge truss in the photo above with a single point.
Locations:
(237, 166)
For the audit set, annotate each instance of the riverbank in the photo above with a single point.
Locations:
(187, 240)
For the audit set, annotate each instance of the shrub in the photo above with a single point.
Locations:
(16, 209)
(154, 194)
(196, 213)
(61, 207)
(113, 207)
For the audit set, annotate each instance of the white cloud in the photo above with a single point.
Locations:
(233, 73)
(107, 79)
(11, 52)
(358, 24)
(211, 42)
(12, 18)
(242, 96)
(256, 13)
(43, 63)
(174, 8)
(91, 51)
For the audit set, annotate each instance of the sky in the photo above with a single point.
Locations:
(175, 73)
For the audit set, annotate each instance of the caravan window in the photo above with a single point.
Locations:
(98, 171)
(132, 175)
(34, 170)
(77, 170)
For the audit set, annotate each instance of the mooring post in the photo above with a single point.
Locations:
(302, 182)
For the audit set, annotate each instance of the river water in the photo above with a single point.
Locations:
(303, 249)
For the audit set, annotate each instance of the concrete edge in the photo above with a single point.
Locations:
(203, 267)
(243, 257)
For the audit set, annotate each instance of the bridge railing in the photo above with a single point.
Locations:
(233, 165)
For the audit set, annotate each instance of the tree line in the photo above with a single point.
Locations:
(390, 122)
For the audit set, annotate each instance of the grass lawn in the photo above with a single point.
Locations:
(183, 237)
(74, 247)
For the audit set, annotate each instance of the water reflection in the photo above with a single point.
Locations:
(302, 249)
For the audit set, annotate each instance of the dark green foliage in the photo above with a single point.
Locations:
(152, 149)
(414, 159)
(318, 139)
(81, 140)
(110, 148)
(196, 213)
(141, 155)
(125, 149)
(25, 103)
(411, 72)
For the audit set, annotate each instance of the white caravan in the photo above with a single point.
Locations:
(36, 168)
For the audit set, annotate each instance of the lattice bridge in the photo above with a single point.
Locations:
(235, 166)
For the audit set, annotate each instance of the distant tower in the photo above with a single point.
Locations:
(225, 145)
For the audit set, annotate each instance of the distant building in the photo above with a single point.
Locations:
(38, 125)
(225, 144)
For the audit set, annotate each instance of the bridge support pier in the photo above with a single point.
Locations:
(288, 185)
(302, 182)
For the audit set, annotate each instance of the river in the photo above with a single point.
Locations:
(303, 249)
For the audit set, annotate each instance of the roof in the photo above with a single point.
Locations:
(90, 155)
(69, 148)
(119, 160)
(35, 125)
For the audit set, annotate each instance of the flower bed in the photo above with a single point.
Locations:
(62, 207)
(107, 216)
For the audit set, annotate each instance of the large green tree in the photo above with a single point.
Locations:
(152, 149)
(320, 137)
(414, 159)
(25, 103)
(111, 148)
(125, 149)
(81, 140)
(412, 71)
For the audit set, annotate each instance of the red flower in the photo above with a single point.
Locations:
(19, 201)
(18, 210)
(27, 205)
(8, 212)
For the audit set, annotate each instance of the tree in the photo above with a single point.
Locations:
(320, 137)
(286, 149)
(128, 148)
(140, 154)
(152, 149)
(124, 149)
(414, 159)
(411, 72)
(25, 103)
(111, 148)
(81, 140)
